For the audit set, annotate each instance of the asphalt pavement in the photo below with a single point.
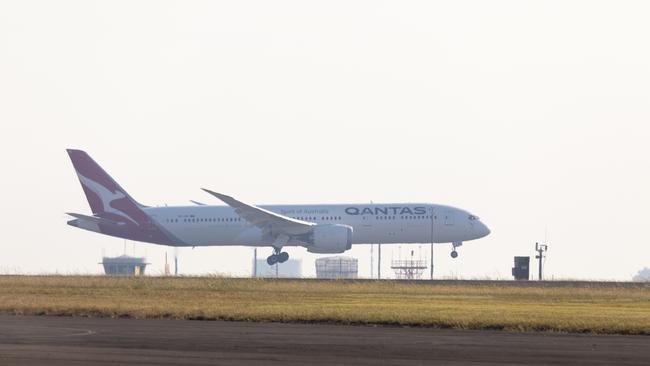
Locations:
(34, 340)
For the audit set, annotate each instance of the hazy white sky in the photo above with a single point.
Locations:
(531, 114)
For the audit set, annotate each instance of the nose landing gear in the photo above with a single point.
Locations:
(277, 257)
(454, 253)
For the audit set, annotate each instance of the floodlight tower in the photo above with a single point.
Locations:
(379, 261)
(540, 249)
(372, 262)
(432, 217)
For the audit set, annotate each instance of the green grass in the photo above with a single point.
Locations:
(567, 308)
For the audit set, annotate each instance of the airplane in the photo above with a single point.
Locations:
(325, 229)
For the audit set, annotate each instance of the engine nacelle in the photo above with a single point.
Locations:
(329, 239)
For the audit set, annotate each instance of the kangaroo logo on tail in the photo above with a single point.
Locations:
(106, 196)
(108, 201)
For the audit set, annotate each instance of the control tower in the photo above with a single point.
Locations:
(124, 265)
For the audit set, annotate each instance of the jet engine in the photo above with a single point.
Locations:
(327, 239)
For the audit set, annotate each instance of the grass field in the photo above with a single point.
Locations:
(565, 308)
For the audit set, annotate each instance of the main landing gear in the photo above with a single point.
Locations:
(454, 253)
(277, 257)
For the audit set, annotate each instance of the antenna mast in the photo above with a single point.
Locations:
(541, 249)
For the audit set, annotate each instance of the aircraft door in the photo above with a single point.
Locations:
(449, 218)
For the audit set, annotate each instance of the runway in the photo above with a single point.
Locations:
(32, 340)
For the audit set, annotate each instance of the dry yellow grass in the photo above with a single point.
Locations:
(569, 308)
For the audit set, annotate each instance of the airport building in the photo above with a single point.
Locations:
(337, 267)
(124, 265)
(289, 269)
(521, 270)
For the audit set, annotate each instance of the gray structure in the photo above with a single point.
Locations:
(521, 270)
(408, 269)
(124, 265)
(337, 267)
(289, 269)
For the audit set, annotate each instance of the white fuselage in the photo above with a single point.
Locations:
(319, 228)
(372, 223)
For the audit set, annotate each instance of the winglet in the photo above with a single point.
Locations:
(226, 199)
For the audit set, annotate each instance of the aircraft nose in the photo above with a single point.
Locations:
(483, 230)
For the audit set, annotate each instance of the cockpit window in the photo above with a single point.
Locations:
(473, 218)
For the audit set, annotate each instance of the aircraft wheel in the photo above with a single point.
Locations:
(272, 259)
(454, 254)
(283, 257)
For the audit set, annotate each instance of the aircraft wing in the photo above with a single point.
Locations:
(270, 222)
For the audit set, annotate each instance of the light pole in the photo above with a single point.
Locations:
(379, 261)
(431, 256)
(540, 249)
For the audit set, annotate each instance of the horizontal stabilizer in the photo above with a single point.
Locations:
(94, 219)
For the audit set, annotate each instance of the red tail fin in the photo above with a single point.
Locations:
(106, 198)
